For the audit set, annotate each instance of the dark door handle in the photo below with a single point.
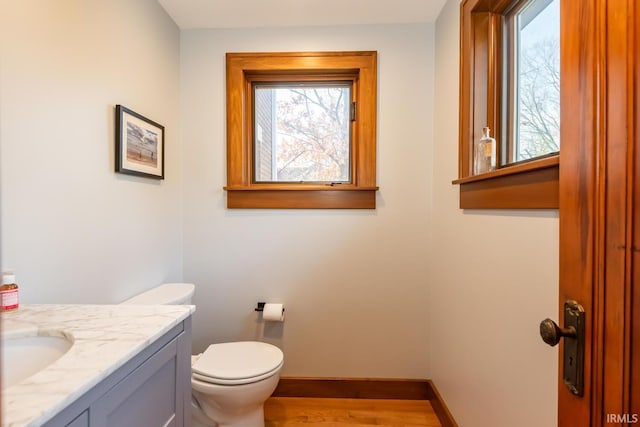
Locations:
(573, 351)
(551, 332)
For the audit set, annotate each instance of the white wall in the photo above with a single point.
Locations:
(354, 282)
(72, 229)
(495, 277)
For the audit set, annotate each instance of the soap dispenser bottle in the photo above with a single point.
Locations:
(484, 153)
(8, 292)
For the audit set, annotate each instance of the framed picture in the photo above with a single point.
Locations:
(139, 145)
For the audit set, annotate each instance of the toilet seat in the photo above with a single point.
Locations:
(237, 363)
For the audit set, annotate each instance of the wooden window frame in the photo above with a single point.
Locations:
(531, 184)
(245, 68)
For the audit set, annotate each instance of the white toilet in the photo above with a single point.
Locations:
(230, 381)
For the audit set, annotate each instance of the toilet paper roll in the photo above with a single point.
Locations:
(273, 312)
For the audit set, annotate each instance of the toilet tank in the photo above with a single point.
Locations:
(166, 294)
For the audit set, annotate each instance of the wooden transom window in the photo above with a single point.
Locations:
(301, 130)
(510, 83)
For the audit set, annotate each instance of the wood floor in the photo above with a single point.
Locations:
(306, 411)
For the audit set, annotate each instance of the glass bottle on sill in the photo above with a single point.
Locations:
(484, 153)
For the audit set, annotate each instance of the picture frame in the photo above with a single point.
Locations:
(139, 145)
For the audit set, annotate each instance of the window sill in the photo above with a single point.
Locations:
(320, 197)
(531, 185)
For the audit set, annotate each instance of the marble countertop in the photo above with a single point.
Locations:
(104, 338)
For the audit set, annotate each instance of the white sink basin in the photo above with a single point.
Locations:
(25, 356)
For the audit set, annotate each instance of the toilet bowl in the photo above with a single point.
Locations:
(230, 381)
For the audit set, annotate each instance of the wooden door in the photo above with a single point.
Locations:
(600, 205)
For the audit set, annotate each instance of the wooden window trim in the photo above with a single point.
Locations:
(529, 185)
(242, 69)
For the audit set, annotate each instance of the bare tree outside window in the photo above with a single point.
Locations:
(303, 133)
(538, 80)
(539, 107)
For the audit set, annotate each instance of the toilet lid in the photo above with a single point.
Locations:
(237, 362)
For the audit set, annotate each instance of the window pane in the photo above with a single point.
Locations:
(302, 133)
(537, 129)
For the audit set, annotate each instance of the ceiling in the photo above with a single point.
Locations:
(189, 14)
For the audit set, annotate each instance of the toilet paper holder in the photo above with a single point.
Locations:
(260, 307)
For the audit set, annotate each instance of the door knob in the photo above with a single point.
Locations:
(551, 332)
(573, 351)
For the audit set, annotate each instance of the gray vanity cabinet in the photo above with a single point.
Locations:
(151, 390)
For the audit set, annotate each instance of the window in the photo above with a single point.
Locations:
(532, 68)
(301, 130)
(509, 82)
